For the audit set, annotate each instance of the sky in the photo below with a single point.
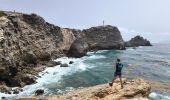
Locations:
(148, 18)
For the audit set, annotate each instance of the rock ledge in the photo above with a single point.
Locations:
(137, 89)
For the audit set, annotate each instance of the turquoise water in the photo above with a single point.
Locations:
(151, 63)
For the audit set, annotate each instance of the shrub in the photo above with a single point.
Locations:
(2, 14)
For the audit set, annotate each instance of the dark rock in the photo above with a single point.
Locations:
(39, 92)
(4, 98)
(15, 92)
(58, 63)
(64, 65)
(71, 62)
(5, 89)
(137, 41)
(28, 79)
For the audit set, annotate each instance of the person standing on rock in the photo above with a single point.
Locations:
(118, 72)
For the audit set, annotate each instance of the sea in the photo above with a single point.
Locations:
(147, 62)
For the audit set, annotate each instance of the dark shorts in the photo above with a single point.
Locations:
(118, 74)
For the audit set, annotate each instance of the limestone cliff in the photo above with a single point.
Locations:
(28, 41)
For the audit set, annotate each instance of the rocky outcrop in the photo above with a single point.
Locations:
(28, 41)
(96, 38)
(137, 89)
(137, 41)
(103, 37)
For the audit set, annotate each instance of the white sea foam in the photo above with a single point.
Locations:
(140, 47)
(130, 49)
(96, 56)
(156, 96)
(53, 75)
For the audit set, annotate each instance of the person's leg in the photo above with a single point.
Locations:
(113, 79)
(121, 81)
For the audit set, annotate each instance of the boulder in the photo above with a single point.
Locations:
(137, 41)
(39, 92)
(78, 49)
(4, 98)
(64, 65)
(71, 62)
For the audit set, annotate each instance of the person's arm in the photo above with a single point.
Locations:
(115, 68)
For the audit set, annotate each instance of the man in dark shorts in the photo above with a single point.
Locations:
(118, 68)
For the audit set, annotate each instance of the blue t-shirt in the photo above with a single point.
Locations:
(119, 67)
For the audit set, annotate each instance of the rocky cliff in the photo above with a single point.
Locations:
(96, 38)
(137, 41)
(137, 89)
(28, 41)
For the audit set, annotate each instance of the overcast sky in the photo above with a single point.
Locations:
(149, 18)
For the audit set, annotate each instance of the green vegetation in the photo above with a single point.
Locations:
(2, 14)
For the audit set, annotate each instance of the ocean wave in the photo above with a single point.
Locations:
(53, 75)
(96, 57)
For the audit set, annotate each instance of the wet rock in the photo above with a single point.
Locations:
(4, 98)
(16, 90)
(39, 92)
(64, 65)
(28, 79)
(71, 62)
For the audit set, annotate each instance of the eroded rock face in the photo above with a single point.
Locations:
(104, 37)
(96, 38)
(137, 41)
(28, 41)
(137, 89)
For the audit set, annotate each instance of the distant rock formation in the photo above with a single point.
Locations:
(28, 41)
(137, 41)
(137, 89)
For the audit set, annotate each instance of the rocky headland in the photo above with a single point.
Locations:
(28, 42)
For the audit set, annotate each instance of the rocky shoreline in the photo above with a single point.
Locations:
(136, 89)
(28, 43)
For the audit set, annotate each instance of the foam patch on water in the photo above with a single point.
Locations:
(96, 56)
(156, 96)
